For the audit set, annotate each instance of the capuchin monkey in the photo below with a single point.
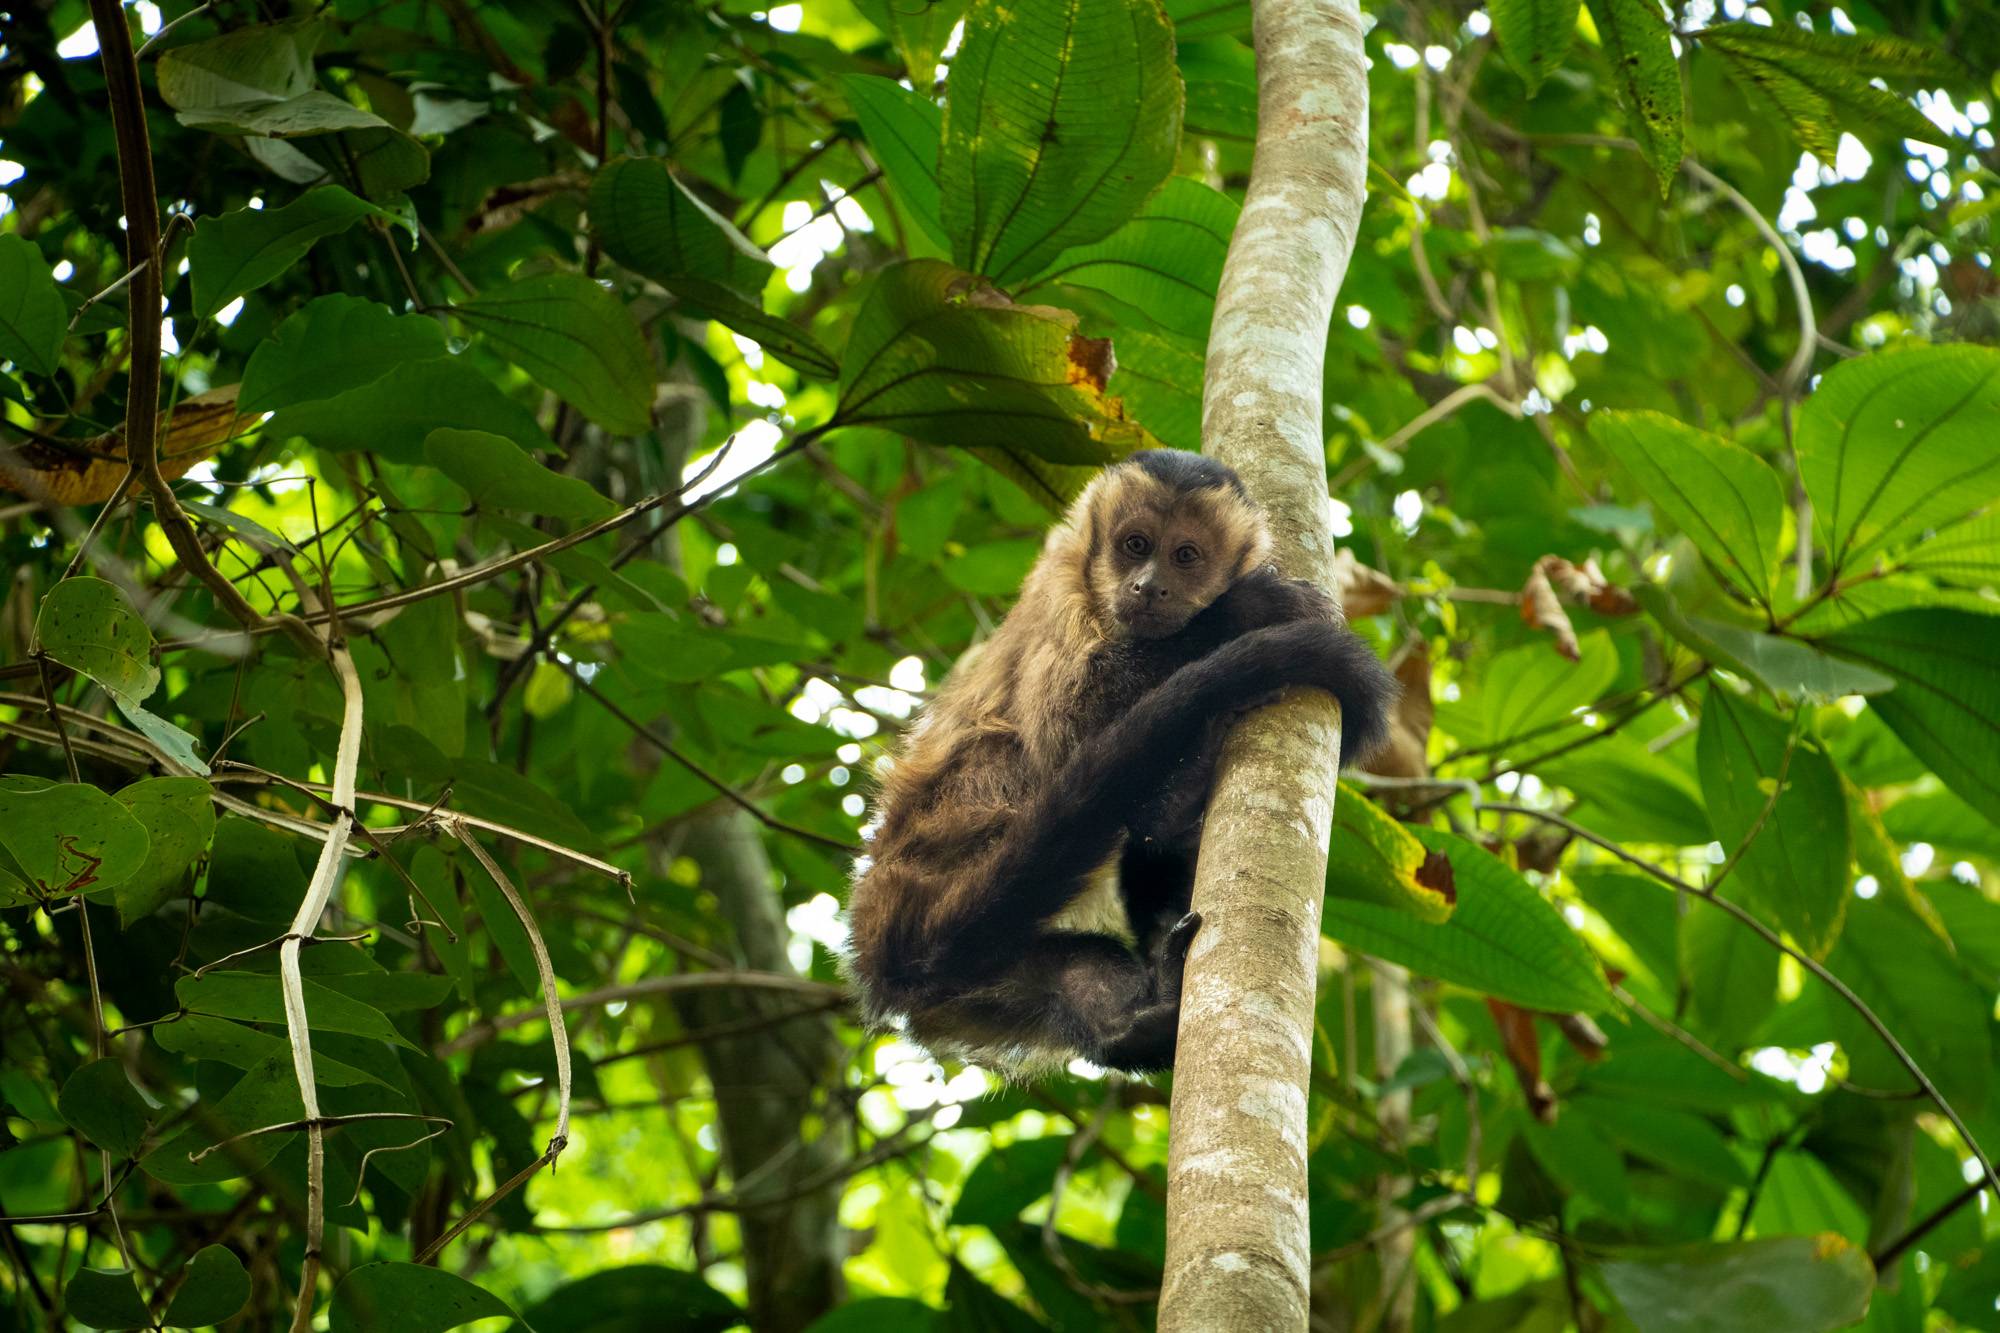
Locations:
(1083, 734)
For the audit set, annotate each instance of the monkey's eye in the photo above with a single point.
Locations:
(1137, 545)
(1186, 554)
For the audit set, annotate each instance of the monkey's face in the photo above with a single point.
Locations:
(1160, 556)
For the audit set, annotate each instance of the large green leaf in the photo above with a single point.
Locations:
(68, 836)
(921, 32)
(1900, 445)
(256, 997)
(1063, 116)
(1795, 868)
(99, 1102)
(649, 222)
(1535, 36)
(215, 1288)
(1530, 690)
(1503, 939)
(1008, 1179)
(105, 1298)
(497, 475)
(330, 345)
(1802, 1284)
(903, 128)
(576, 338)
(1728, 502)
(1809, 76)
(393, 415)
(1786, 667)
(1639, 47)
(266, 1095)
(1908, 976)
(1686, 1144)
(241, 251)
(408, 1298)
(1164, 263)
(1732, 974)
(240, 1046)
(635, 1298)
(1625, 791)
(1946, 704)
(179, 818)
(1374, 858)
(88, 625)
(261, 63)
(943, 356)
(33, 321)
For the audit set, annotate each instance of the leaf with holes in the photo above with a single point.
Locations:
(946, 357)
(1794, 869)
(1901, 449)
(1946, 704)
(1640, 48)
(1726, 499)
(575, 338)
(1376, 859)
(1503, 939)
(1064, 117)
(1812, 76)
(88, 625)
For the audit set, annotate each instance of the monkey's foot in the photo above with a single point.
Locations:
(1174, 948)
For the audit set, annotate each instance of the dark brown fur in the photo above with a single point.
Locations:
(1084, 730)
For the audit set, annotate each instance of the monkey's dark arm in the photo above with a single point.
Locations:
(1076, 821)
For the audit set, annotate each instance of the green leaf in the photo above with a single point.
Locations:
(665, 648)
(89, 626)
(1808, 74)
(575, 338)
(106, 1298)
(1535, 36)
(262, 63)
(33, 319)
(266, 1095)
(1159, 380)
(1802, 1284)
(179, 818)
(310, 113)
(1165, 262)
(1628, 793)
(68, 836)
(1063, 117)
(1686, 1144)
(1900, 446)
(1901, 969)
(1796, 868)
(1732, 975)
(883, 1314)
(256, 997)
(920, 32)
(241, 251)
(254, 871)
(903, 129)
(1008, 1179)
(650, 223)
(330, 345)
(1209, 18)
(945, 357)
(497, 475)
(1640, 48)
(637, 1298)
(1530, 690)
(408, 1298)
(1946, 704)
(99, 1102)
(202, 1037)
(215, 1288)
(1376, 859)
(1503, 939)
(1787, 668)
(394, 414)
(1726, 499)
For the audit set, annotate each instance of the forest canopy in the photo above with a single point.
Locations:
(448, 651)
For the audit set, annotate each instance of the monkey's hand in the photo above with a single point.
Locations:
(1263, 598)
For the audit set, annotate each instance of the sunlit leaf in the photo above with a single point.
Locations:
(1063, 117)
(903, 129)
(88, 625)
(575, 338)
(68, 836)
(1375, 859)
(1535, 36)
(33, 321)
(1164, 264)
(1640, 49)
(496, 474)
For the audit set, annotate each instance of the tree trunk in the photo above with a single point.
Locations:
(1238, 1254)
(765, 1083)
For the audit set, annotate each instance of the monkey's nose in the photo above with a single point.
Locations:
(1145, 591)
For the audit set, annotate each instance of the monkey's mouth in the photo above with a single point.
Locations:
(1145, 622)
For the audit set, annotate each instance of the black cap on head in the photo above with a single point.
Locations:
(1184, 471)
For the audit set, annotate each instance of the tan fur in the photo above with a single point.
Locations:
(1007, 718)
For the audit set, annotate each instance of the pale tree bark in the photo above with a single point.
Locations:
(1238, 1254)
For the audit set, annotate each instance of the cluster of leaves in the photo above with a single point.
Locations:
(612, 417)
